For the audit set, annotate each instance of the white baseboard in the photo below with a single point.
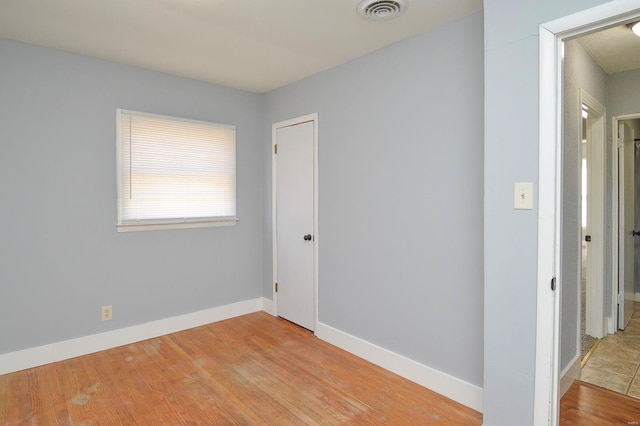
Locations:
(637, 297)
(569, 375)
(437, 381)
(612, 325)
(442, 383)
(267, 305)
(46, 354)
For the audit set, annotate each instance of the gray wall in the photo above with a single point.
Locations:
(60, 255)
(623, 93)
(400, 181)
(580, 72)
(510, 249)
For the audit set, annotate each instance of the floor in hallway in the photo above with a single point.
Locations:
(615, 362)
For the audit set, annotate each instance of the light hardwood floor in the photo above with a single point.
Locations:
(254, 369)
(585, 404)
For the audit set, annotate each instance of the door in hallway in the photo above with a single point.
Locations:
(626, 280)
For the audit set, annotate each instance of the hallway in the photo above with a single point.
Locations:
(615, 362)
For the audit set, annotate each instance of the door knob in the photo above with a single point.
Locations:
(635, 233)
(308, 237)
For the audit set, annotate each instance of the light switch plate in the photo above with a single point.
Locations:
(523, 196)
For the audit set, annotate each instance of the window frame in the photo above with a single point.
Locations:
(168, 223)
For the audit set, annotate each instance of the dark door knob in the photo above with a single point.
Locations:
(635, 233)
(308, 237)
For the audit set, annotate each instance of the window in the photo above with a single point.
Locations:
(174, 173)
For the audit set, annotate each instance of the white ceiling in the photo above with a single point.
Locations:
(254, 45)
(615, 49)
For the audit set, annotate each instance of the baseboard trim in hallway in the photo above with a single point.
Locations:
(569, 375)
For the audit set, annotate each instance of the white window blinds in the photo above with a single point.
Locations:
(174, 171)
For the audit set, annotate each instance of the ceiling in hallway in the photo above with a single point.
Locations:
(615, 49)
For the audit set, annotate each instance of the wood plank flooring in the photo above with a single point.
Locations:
(587, 404)
(254, 369)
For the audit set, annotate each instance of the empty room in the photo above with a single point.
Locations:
(282, 211)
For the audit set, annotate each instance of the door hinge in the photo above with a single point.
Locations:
(276, 287)
(275, 149)
(553, 284)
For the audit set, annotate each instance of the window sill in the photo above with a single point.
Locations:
(181, 225)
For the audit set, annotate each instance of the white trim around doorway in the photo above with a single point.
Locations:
(595, 304)
(552, 35)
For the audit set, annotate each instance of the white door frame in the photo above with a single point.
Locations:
(615, 211)
(292, 122)
(552, 34)
(595, 312)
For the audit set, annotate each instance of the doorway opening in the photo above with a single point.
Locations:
(550, 209)
(614, 362)
(625, 130)
(592, 216)
(606, 299)
(586, 268)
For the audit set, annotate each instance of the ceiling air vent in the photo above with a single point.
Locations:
(380, 10)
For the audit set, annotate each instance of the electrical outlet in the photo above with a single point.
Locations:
(107, 313)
